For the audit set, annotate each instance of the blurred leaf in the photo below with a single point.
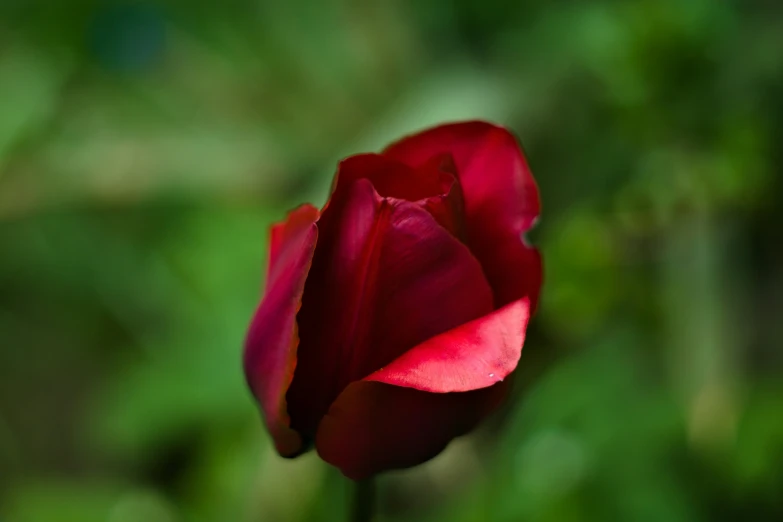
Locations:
(30, 92)
(62, 501)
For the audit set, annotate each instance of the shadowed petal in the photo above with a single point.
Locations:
(434, 185)
(448, 207)
(391, 178)
(374, 427)
(515, 267)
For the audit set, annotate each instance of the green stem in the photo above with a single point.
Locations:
(363, 501)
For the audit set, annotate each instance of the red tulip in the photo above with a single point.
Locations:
(392, 317)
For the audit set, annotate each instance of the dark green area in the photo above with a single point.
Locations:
(145, 148)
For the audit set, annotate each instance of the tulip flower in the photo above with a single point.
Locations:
(393, 317)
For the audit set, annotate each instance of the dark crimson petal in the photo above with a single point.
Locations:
(385, 278)
(391, 178)
(474, 355)
(434, 185)
(374, 427)
(514, 266)
(270, 347)
(501, 197)
(448, 207)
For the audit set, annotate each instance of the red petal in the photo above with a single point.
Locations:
(283, 238)
(501, 197)
(270, 347)
(385, 278)
(515, 268)
(434, 185)
(448, 207)
(374, 427)
(472, 356)
(391, 178)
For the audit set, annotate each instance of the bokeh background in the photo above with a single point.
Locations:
(145, 148)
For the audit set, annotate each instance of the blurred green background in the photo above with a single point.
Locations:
(145, 148)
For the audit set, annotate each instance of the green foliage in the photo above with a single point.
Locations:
(145, 148)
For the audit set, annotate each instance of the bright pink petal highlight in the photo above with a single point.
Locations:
(474, 355)
(270, 347)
